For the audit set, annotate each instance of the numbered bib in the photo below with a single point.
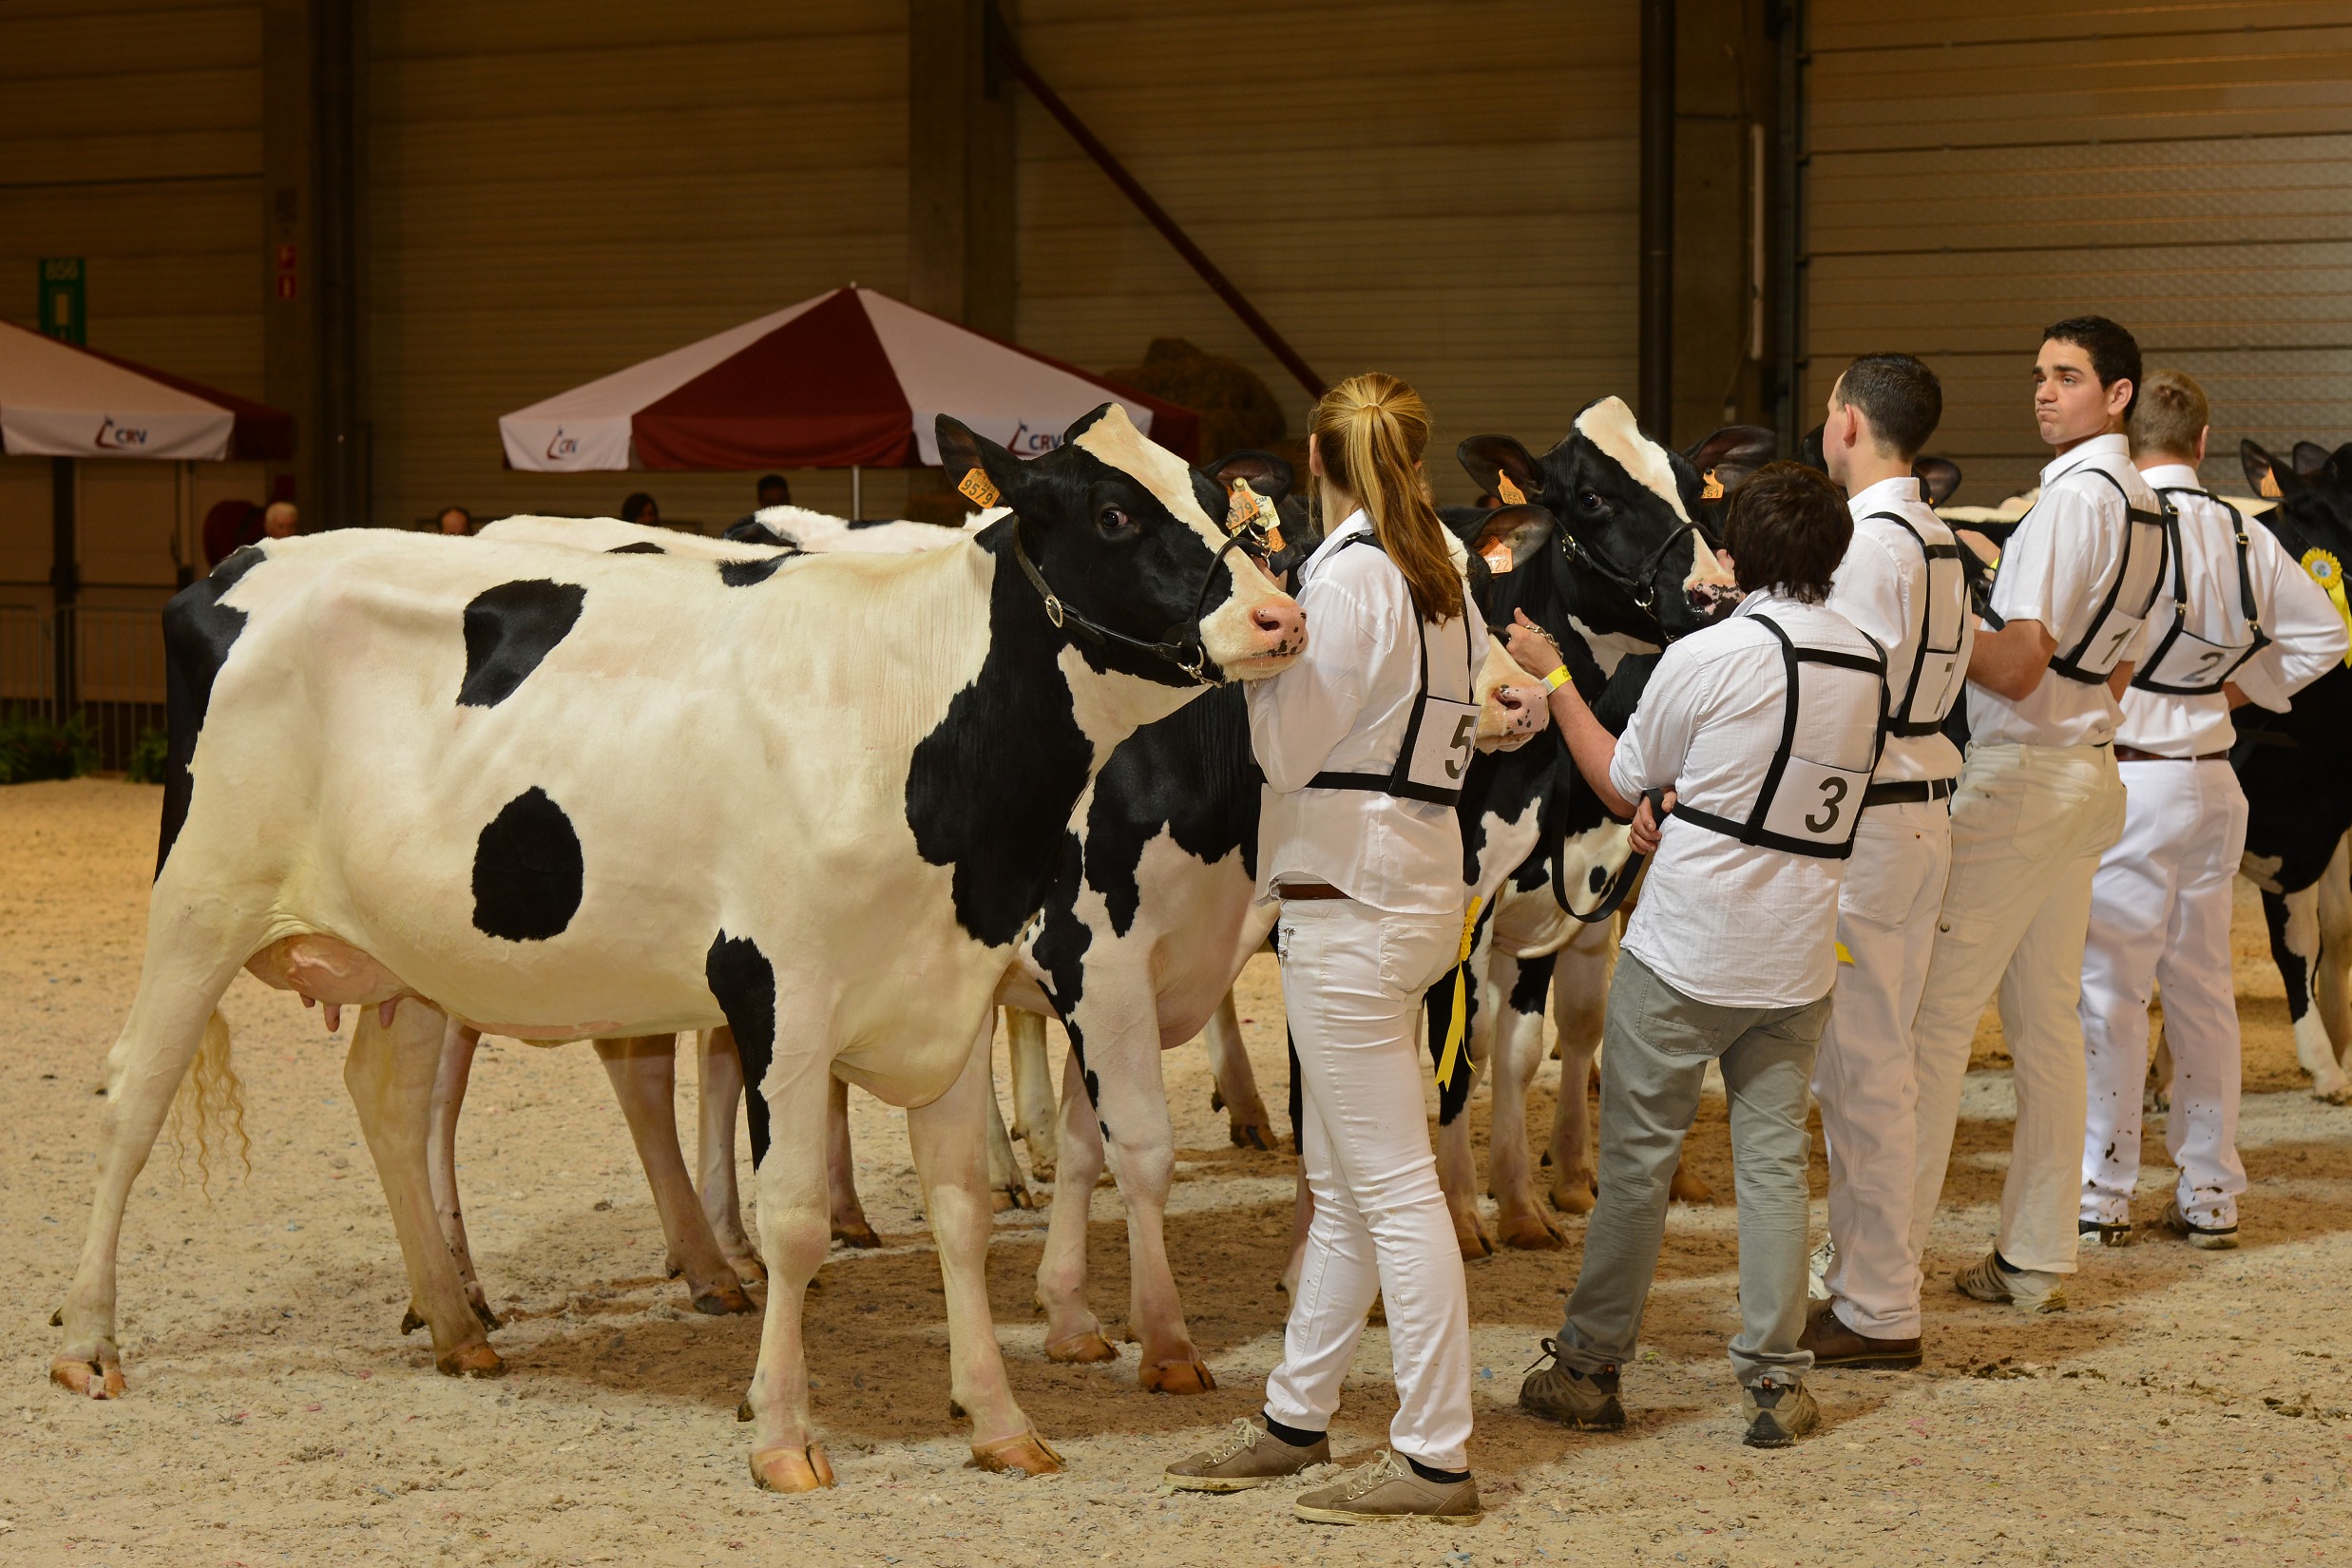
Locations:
(1437, 757)
(1946, 633)
(2184, 663)
(2125, 606)
(1816, 804)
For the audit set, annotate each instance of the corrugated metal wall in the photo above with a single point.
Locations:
(132, 138)
(1981, 169)
(1441, 191)
(558, 190)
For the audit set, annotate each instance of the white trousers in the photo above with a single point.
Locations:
(2160, 915)
(1352, 979)
(2029, 824)
(1865, 1075)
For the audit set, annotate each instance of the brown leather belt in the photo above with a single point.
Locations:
(1308, 889)
(2133, 754)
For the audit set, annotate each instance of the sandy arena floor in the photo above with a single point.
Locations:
(2191, 1408)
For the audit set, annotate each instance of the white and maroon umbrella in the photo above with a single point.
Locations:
(57, 400)
(848, 379)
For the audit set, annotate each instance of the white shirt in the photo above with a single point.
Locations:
(1721, 921)
(2055, 571)
(1882, 587)
(2307, 636)
(1343, 708)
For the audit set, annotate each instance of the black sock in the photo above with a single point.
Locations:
(2004, 1265)
(1430, 1472)
(1291, 1435)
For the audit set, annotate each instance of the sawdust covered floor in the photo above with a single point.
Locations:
(2192, 1407)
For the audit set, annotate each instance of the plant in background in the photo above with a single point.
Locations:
(33, 746)
(147, 756)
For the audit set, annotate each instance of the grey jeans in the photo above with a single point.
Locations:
(1655, 1047)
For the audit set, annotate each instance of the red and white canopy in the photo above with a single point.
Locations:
(57, 400)
(848, 379)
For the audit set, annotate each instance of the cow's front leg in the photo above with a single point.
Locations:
(1034, 1110)
(1237, 1081)
(1131, 1105)
(1579, 1000)
(2294, 921)
(794, 1205)
(390, 1071)
(1516, 1056)
(951, 1153)
(643, 1069)
(1072, 1331)
(458, 1044)
(849, 1222)
(2332, 971)
(719, 1095)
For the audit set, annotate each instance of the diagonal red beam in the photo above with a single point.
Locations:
(1156, 215)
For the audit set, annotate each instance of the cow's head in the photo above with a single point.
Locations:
(1624, 513)
(1272, 479)
(1126, 549)
(2314, 513)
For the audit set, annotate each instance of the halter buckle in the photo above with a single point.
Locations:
(1053, 611)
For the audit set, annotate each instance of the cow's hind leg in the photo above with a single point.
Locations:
(1072, 1331)
(1034, 1113)
(643, 1069)
(1579, 1000)
(718, 1097)
(390, 1072)
(1007, 1187)
(950, 1156)
(1515, 1057)
(848, 1211)
(2294, 922)
(2331, 977)
(1457, 1161)
(1247, 1122)
(795, 1204)
(458, 1044)
(170, 1018)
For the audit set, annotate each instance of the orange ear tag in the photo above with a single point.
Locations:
(1714, 488)
(1243, 506)
(977, 486)
(1497, 555)
(1511, 495)
(1273, 538)
(2270, 484)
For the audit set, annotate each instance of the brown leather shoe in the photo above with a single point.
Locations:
(1834, 1345)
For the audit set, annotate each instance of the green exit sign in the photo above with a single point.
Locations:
(63, 313)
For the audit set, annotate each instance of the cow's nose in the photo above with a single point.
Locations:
(1279, 620)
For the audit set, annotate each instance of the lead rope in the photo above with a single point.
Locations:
(1455, 1028)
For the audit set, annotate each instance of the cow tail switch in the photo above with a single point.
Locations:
(1454, 1027)
(212, 1101)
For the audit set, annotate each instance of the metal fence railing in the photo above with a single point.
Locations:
(99, 665)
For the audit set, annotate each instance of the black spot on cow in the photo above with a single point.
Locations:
(526, 870)
(198, 631)
(509, 630)
(745, 574)
(1191, 777)
(743, 982)
(1534, 984)
(752, 531)
(643, 546)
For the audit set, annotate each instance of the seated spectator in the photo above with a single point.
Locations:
(279, 521)
(455, 520)
(641, 508)
(775, 490)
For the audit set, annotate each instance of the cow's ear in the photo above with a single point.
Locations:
(1941, 475)
(1810, 450)
(2309, 458)
(2266, 475)
(1268, 475)
(963, 452)
(1489, 460)
(1509, 535)
(1085, 422)
(1733, 453)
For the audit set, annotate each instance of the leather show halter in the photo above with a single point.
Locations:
(1185, 652)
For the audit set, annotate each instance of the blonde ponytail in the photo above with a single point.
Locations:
(1370, 430)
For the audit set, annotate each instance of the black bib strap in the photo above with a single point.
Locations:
(1898, 720)
(1399, 781)
(2145, 676)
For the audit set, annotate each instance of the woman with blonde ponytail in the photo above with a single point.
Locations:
(1363, 743)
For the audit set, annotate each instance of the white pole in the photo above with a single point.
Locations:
(857, 491)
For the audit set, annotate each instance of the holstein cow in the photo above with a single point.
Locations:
(2297, 772)
(888, 749)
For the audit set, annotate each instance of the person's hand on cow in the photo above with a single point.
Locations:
(1532, 646)
(1646, 825)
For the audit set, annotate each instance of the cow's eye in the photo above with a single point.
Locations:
(1114, 523)
(1591, 501)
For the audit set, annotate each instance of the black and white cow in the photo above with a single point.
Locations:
(888, 749)
(2297, 771)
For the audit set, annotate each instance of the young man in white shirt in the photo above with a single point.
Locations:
(1765, 727)
(2250, 626)
(2038, 803)
(1901, 582)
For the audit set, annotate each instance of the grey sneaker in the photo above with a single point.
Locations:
(1582, 1400)
(1817, 1267)
(2094, 1232)
(1986, 1280)
(1777, 1414)
(1246, 1456)
(1386, 1488)
(2213, 1238)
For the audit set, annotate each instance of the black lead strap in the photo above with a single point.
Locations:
(1187, 655)
(1613, 892)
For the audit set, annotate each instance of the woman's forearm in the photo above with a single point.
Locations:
(1592, 746)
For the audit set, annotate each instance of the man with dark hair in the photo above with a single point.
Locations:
(641, 508)
(2038, 803)
(1899, 582)
(1758, 734)
(773, 490)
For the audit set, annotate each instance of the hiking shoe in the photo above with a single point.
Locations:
(1817, 1267)
(1386, 1489)
(2213, 1238)
(1246, 1456)
(1835, 1345)
(1587, 1401)
(1988, 1279)
(1777, 1414)
(2090, 1231)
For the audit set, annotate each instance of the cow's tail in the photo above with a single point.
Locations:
(212, 1101)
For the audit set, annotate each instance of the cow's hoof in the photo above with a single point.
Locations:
(1573, 1196)
(410, 1321)
(1026, 1455)
(1005, 1199)
(1529, 1233)
(77, 1376)
(1080, 1347)
(481, 1311)
(1474, 1242)
(724, 1302)
(471, 1360)
(1687, 1188)
(749, 1268)
(792, 1469)
(2338, 1093)
(1176, 1377)
(1252, 1134)
(1040, 1168)
(856, 1233)
(743, 1411)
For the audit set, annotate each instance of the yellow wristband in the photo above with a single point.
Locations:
(1558, 678)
